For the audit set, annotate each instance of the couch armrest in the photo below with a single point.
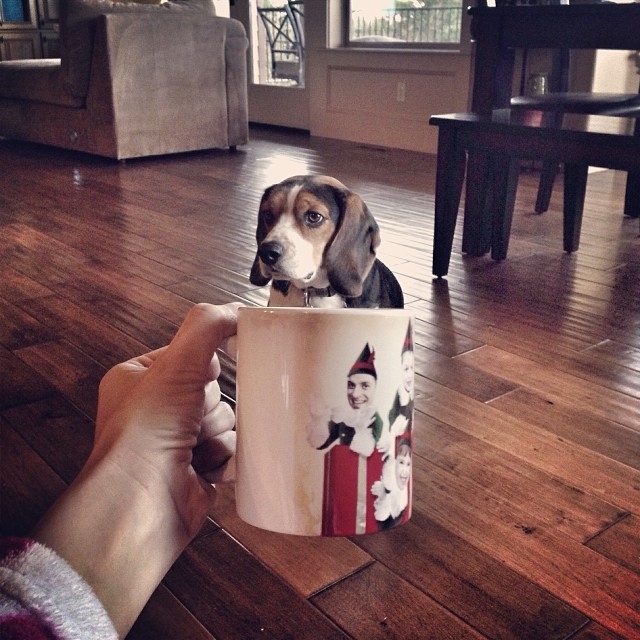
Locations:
(163, 76)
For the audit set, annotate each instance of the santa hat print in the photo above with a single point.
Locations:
(407, 345)
(364, 363)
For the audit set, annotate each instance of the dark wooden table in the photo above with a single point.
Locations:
(501, 137)
(499, 31)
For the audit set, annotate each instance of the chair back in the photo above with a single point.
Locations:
(284, 28)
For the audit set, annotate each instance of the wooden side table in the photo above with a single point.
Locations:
(504, 137)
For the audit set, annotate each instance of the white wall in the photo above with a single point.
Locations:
(615, 72)
(222, 8)
(353, 94)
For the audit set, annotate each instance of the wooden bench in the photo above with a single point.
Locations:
(502, 139)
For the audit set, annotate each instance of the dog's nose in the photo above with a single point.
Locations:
(270, 252)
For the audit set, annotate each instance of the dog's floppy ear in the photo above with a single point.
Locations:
(351, 253)
(256, 276)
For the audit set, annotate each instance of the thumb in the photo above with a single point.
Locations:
(204, 330)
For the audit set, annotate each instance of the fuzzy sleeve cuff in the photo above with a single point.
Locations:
(41, 596)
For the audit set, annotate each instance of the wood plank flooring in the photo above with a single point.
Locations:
(527, 465)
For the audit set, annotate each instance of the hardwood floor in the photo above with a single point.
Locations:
(527, 469)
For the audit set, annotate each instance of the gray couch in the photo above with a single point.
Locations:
(133, 80)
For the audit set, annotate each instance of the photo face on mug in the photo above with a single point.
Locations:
(403, 468)
(408, 371)
(361, 391)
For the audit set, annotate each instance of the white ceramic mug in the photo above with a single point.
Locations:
(324, 419)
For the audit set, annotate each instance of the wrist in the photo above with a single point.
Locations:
(119, 542)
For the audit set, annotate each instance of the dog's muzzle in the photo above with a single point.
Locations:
(270, 252)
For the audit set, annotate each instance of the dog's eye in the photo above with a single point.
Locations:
(313, 218)
(267, 217)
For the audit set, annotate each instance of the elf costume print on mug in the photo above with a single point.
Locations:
(324, 419)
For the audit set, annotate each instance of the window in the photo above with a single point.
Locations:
(404, 23)
(279, 46)
(13, 11)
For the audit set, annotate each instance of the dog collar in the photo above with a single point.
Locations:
(309, 292)
(325, 292)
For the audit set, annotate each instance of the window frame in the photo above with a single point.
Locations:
(397, 46)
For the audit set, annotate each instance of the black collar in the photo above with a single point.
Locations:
(325, 292)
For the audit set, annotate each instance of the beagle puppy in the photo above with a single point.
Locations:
(317, 242)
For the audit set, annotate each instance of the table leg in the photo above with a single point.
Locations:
(476, 235)
(552, 120)
(632, 191)
(575, 185)
(449, 177)
(545, 187)
(505, 172)
(632, 195)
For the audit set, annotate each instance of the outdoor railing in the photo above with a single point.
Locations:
(425, 25)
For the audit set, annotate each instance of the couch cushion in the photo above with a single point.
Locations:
(36, 81)
(77, 27)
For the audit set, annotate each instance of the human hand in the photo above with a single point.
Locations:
(384, 442)
(161, 414)
(377, 489)
(162, 434)
(399, 425)
(317, 423)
